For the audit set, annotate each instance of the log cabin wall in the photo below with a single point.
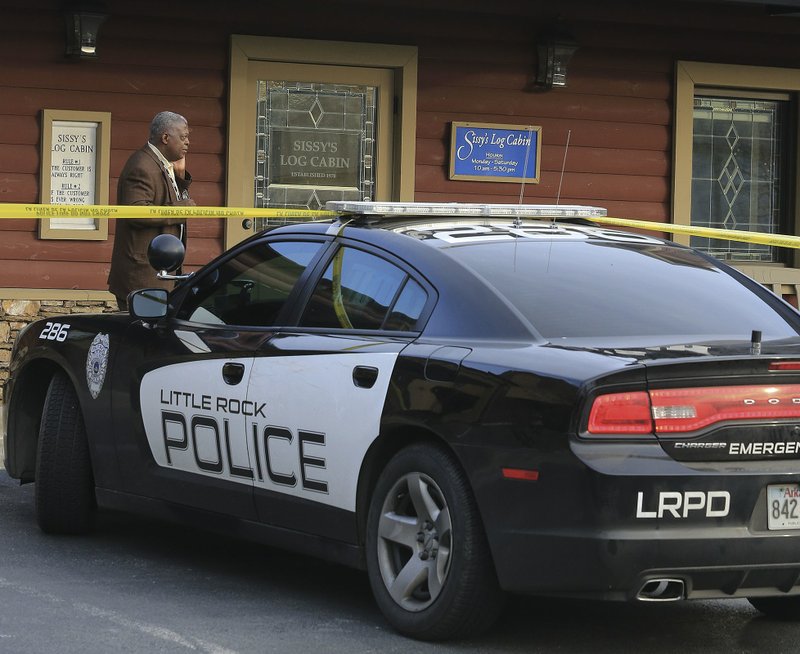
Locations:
(477, 61)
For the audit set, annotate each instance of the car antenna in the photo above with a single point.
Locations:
(517, 219)
(558, 195)
(755, 342)
(563, 166)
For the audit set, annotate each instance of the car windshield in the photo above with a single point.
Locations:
(598, 289)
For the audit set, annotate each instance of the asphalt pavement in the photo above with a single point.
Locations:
(137, 585)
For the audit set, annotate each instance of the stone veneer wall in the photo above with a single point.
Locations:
(15, 314)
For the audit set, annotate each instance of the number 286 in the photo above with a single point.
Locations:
(54, 331)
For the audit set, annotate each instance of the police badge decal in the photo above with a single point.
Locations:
(96, 363)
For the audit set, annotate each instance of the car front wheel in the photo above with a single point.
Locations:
(65, 502)
(428, 560)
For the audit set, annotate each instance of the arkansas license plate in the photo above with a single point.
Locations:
(783, 506)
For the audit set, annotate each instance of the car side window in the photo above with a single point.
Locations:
(251, 288)
(362, 291)
(408, 308)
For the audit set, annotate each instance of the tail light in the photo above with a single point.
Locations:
(676, 411)
(621, 413)
(784, 365)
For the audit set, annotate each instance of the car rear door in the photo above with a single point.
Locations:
(325, 383)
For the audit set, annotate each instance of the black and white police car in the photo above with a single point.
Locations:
(464, 400)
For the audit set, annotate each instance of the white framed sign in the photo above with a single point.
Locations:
(75, 160)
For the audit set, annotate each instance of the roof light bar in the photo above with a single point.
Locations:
(463, 209)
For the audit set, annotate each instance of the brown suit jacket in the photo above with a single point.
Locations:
(143, 181)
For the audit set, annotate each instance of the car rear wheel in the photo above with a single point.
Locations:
(428, 560)
(782, 608)
(65, 502)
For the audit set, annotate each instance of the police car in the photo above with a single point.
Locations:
(463, 400)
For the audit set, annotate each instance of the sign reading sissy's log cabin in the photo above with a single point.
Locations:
(495, 153)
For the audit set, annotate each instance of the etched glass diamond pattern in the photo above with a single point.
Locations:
(314, 143)
(316, 112)
(737, 179)
(731, 182)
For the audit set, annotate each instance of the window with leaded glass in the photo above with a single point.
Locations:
(740, 158)
(315, 142)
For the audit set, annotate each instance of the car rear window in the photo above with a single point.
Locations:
(600, 288)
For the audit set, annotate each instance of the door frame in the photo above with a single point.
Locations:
(402, 60)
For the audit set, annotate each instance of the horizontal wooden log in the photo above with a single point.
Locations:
(128, 79)
(27, 246)
(696, 42)
(43, 274)
(19, 187)
(613, 82)
(207, 112)
(23, 247)
(18, 225)
(209, 228)
(19, 159)
(562, 104)
(18, 130)
(83, 276)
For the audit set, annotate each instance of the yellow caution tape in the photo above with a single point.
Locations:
(778, 240)
(148, 211)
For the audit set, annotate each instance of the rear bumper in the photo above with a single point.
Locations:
(603, 521)
(616, 566)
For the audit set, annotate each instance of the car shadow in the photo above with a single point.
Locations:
(247, 574)
(528, 624)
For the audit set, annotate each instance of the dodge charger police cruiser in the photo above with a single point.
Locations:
(462, 400)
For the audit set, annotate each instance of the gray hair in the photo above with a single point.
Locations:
(163, 122)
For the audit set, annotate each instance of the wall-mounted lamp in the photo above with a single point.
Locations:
(82, 28)
(554, 55)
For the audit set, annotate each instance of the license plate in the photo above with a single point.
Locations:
(783, 506)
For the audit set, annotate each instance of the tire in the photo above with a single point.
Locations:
(780, 608)
(428, 560)
(65, 501)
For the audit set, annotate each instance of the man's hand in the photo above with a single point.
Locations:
(179, 167)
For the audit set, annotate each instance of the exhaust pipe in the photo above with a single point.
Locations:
(661, 590)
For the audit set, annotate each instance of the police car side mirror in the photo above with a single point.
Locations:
(149, 303)
(165, 253)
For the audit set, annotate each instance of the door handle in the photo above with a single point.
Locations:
(365, 376)
(232, 373)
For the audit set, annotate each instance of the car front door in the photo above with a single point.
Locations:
(180, 405)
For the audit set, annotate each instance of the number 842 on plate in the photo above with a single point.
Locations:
(783, 506)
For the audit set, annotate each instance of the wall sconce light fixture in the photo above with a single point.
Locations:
(82, 28)
(554, 55)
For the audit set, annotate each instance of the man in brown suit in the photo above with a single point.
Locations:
(154, 175)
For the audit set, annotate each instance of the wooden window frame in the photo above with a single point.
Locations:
(402, 60)
(748, 80)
